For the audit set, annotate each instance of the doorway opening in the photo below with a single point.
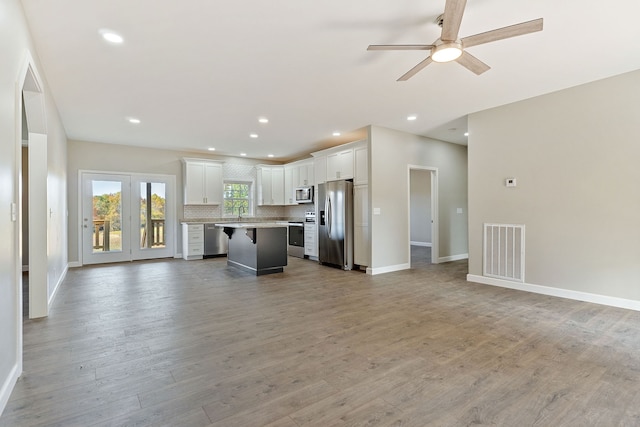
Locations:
(32, 200)
(423, 215)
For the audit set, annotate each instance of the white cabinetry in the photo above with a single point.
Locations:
(348, 161)
(340, 165)
(289, 195)
(361, 239)
(270, 185)
(192, 241)
(302, 174)
(296, 174)
(202, 181)
(320, 170)
(310, 240)
(361, 162)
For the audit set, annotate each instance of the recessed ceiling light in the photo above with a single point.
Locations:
(412, 117)
(111, 36)
(466, 134)
(134, 120)
(243, 154)
(269, 155)
(263, 120)
(336, 133)
(253, 135)
(211, 149)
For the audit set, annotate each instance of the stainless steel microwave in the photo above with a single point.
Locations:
(304, 194)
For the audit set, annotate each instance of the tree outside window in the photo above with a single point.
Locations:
(237, 199)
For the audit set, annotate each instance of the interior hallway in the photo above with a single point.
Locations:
(194, 343)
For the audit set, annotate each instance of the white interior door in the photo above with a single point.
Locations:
(106, 218)
(127, 217)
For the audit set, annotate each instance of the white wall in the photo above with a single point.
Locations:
(420, 206)
(15, 49)
(391, 153)
(575, 155)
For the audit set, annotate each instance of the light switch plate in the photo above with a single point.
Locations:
(376, 211)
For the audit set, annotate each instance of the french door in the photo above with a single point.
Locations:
(127, 217)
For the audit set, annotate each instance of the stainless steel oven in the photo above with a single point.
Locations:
(296, 239)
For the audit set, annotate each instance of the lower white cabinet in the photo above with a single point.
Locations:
(192, 241)
(310, 240)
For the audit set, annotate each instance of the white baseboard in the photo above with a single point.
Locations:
(558, 292)
(453, 258)
(423, 244)
(74, 264)
(177, 256)
(58, 285)
(388, 269)
(7, 387)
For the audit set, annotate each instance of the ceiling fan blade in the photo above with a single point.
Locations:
(412, 72)
(503, 33)
(472, 63)
(453, 11)
(400, 47)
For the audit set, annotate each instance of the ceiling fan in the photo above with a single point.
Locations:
(450, 48)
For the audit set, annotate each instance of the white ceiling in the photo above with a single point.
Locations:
(199, 73)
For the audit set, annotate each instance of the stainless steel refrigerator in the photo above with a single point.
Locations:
(335, 228)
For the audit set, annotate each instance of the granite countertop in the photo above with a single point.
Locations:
(251, 224)
(244, 220)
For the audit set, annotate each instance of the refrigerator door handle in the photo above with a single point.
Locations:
(329, 218)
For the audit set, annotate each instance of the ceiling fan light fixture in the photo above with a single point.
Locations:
(446, 52)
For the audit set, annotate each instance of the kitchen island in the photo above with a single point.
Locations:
(260, 248)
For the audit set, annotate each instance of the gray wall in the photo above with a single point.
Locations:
(420, 206)
(15, 48)
(391, 154)
(575, 156)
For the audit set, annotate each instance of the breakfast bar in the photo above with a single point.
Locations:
(260, 248)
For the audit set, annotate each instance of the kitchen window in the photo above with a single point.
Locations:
(238, 198)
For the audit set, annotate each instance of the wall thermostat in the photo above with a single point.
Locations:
(510, 182)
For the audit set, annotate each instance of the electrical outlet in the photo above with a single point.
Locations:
(510, 182)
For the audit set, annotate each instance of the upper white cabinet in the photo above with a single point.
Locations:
(202, 181)
(270, 185)
(340, 165)
(320, 170)
(289, 196)
(296, 174)
(361, 162)
(348, 161)
(302, 174)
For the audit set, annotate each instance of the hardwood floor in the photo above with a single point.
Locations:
(195, 343)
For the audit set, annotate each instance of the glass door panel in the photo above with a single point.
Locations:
(152, 215)
(105, 224)
(154, 222)
(107, 216)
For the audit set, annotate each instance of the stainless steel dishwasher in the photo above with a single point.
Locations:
(216, 243)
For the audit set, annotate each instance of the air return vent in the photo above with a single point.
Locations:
(503, 256)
